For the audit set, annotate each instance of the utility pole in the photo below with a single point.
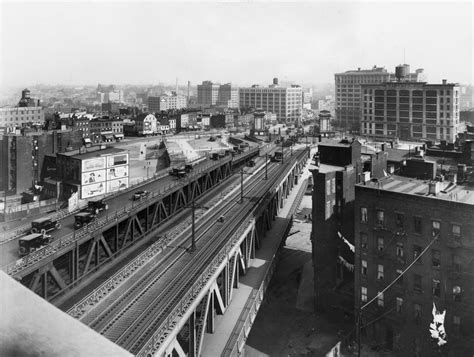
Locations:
(241, 185)
(193, 236)
(282, 152)
(266, 164)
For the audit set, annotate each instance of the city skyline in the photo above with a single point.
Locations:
(242, 43)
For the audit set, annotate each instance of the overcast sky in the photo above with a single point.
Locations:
(238, 42)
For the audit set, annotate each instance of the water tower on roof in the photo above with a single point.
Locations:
(402, 71)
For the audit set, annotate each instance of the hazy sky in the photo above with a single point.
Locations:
(239, 42)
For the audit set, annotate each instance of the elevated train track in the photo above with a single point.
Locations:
(69, 259)
(143, 314)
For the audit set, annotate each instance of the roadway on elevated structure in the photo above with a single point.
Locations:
(133, 312)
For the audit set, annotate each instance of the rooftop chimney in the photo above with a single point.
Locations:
(444, 81)
(433, 188)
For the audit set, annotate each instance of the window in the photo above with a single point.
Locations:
(363, 294)
(364, 267)
(400, 250)
(456, 263)
(417, 313)
(457, 293)
(417, 285)
(399, 220)
(380, 244)
(417, 224)
(363, 214)
(436, 228)
(456, 323)
(416, 253)
(457, 232)
(435, 258)
(380, 217)
(328, 187)
(399, 305)
(436, 288)
(363, 240)
(399, 274)
(380, 299)
(380, 271)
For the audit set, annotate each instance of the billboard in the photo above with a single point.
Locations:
(93, 177)
(115, 160)
(118, 184)
(92, 190)
(96, 163)
(117, 172)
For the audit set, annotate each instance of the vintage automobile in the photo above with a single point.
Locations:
(96, 206)
(32, 242)
(138, 195)
(83, 218)
(44, 225)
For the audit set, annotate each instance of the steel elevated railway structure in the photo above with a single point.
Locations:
(164, 307)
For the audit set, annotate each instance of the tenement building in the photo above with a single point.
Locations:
(414, 257)
(348, 91)
(285, 102)
(410, 110)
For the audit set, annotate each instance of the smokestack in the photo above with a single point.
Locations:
(275, 81)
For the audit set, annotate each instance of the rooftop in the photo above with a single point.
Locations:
(91, 152)
(448, 191)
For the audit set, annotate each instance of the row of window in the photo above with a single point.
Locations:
(401, 222)
(417, 308)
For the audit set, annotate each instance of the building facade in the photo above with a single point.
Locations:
(348, 91)
(207, 93)
(27, 112)
(168, 102)
(414, 248)
(286, 103)
(410, 111)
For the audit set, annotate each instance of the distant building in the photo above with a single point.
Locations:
(207, 93)
(419, 232)
(348, 91)
(28, 111)
(111, 108)
(228, 96)
(324, 118)
(286, 103)
(410, 110)
(106, 130)
(166, 102)
(146, 124)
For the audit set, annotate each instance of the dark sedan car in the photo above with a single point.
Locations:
(138, 195)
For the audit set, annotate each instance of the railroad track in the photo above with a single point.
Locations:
(136, 313)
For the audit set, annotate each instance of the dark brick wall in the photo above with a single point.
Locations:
(406, 333)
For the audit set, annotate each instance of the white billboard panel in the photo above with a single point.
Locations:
(94, 189)
(117, 172)
(115, 185)
(96, 163)
(115, 160)
(93, 177)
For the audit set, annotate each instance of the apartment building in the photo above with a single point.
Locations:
(414, 248)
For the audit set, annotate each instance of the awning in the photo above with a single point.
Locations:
(118, 136)
(87, 141)
(108, 137)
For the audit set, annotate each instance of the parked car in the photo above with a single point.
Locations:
(44, 225)
(178, 172)
(138, 195)
(83, 218)
(32, 242)
(96, 206)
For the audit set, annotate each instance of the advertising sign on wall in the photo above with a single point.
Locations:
(117, 172)
(92, 190)
(115, 160)
(96, 163)
(115, 185)
(93, 177)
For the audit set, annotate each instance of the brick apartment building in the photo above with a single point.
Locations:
(396, 220)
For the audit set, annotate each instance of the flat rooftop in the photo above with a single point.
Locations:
(90, 153)
(448, 191)
(324, 168)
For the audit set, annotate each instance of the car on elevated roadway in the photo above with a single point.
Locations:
(44, 225)
(96, 206)
(32, 242)
(178, 172)
(138, 195)
(83, 218)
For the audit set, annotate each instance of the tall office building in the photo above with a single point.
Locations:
(207, 93)
(421, 233)
(285, 102)
(228, 96)
(410, 110)
(348, 91)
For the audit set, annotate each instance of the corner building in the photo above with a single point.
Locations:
(396, 220)
(410, 111)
